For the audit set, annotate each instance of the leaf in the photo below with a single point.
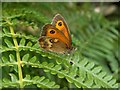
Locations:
(22, 42)
(57, 67)
(29, 44)
(13, 77)
(36, 45)
(97, 69)
(5, 30)
(102, 74)
(90, 65)
(82, 74)
(33, 59)
(78, 85)
(107, 78)
(25, 57)
(50, 65)
(73, 71)
(83, 62)
(61, 75)
(38, 79)
(45, 81)
(58, 61)
(6, 80)
(44, 63)
(4, 59)
(41, 78)
(51, 84)
(35, 78)
(27, 77)
(12, 58)
(53, 72)
(113, 81)
(9, 44)
(69, 79)
(56, 86)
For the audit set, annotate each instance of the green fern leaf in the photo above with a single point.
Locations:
(22, 42)
(12, 58)
(9, 44)
(25, 57)
(13, 77)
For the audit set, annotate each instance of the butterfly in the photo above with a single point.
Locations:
(56, 36)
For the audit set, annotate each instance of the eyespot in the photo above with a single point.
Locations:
(60, 24)
(51, 40)
(52, 31)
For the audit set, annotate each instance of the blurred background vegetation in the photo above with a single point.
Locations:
(94, 27)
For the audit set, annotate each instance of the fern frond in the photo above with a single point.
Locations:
(87, 72)
(38, 81)
(96, 38)
(26, 64)
(13, 82)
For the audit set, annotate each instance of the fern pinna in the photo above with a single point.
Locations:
(24, 64)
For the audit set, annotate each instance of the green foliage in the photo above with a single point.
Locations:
(24, 64)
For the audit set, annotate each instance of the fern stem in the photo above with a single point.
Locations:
(17, 55)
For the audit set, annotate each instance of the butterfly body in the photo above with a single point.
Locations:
(56, 36)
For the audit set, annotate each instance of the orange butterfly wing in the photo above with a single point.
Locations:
(51, 31)
(56, 36)
(59, 22)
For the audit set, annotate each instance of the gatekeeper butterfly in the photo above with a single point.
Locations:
(56, 36)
